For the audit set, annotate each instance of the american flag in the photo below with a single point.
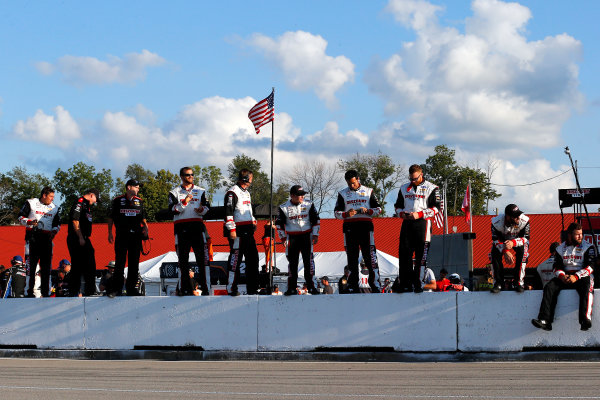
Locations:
(263, 112)
(439, 217)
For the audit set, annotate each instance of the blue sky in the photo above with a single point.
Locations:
(165, 85)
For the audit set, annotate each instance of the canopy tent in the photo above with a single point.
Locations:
(326, 263)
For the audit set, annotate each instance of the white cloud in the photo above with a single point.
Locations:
(302, 58)
(58, 130)
(488, 86)
(78, 70)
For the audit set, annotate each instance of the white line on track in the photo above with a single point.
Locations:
(199, 392)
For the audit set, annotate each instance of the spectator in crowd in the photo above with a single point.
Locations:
(19, 277)
(298, 226)
(546, 268)
(268, 242)
(357, 205)
(510, 233)
(456, 284)
(442, 283)
(276, 291)
(61, 285)
(129, 217)
(387, 286)
(188, 204)
(327, 289)
(80, 246)
(343, 286)
(418, 202)
(41, 218)
(428, 280)
(5, 274)
(573, 268)
(239, 228)
(486, 281)
(108, 281)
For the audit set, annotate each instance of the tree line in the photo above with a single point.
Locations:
(320, 179)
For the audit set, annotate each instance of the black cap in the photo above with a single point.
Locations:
(325, 278)
(132, 182)
(297, 190)
(512, 210)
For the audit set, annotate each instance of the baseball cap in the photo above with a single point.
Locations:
(512, 210)
(63, 262)
(132, 182)
(325, 278)
(111, 264)
(297, 190)
(17, 259)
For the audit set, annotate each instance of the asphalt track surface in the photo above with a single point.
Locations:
(148, 379)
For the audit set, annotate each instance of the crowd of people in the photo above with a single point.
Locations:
(298, 227)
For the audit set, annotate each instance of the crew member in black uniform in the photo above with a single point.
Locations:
(188, 204)
(19, 276)
(298, 226)
(357, 205)
(418, 202)
(83, 257)
(129, 217)
(239, 228)
(41, 219)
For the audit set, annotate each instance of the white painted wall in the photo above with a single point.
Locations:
(436, 322)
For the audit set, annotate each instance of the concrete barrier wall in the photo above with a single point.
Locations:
(427, 322)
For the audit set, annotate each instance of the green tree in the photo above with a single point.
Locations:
(210, 178)
(377, 171)
(442, 169)
(156, 194)
(16, 186)
(73, 182)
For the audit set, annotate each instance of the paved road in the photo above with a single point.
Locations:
(79, 379)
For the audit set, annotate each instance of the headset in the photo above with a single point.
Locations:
(244, 175)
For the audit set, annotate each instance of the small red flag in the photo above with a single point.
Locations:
(466, 204)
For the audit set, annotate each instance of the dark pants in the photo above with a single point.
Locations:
(128, 247)
(243, 247)
(297, 244)
(361, 240)
(185, 242)
(585, 288)
(40, 250)
(521, 255)
(83, 263)
(414, 239)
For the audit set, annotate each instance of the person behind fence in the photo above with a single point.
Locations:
(239, 228)
(357, 205)
(188, 204)
(298, 226)
(81, 250)
(327, 289)
(61, 285)
(546, 269)
(343, 282)
(573, 269)
(417, 204)
(486, 281)
(510, 231)
(442, 283)
(129, 217)
(19, 277)
(108, 281)
(40, 216)
(428, 279)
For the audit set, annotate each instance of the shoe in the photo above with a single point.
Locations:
(520, 289)
(542, 324)
(111, 295)
(496, 289)
(418, 290)
(234, 294)
(585, 325)
(290, 293)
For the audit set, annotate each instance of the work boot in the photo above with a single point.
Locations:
(496, 289)
(585, 325)
(543, 324)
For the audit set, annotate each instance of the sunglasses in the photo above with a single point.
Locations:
(416, 178)
(188, 175)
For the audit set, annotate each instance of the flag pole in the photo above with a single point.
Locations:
(470, 206)
(272, 262)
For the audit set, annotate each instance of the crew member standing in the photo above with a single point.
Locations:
(573, 267)
(298, 227)
(129, 217)
(510, 231)
(188, 204)
(357, 205)
(239, 228)
(83, 258)
(40, 216)
(418, 202)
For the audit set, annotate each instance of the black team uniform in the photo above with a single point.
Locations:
(358, 233)
(83, 258)
(415, 234)
(128, 216)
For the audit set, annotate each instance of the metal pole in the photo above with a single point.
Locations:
(272, 230)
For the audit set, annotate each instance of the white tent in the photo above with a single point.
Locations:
(326, 263)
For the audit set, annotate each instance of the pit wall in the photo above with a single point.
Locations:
(427, 322)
